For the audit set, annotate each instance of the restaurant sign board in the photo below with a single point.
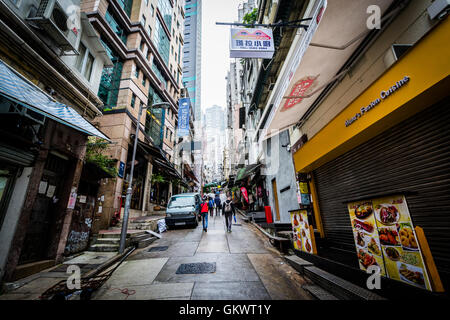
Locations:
(303, 232)
(385, 237)
(383, 95)
(251, 43)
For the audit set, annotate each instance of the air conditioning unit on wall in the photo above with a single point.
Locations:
(51, 17)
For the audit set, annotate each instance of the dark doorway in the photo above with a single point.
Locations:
(44, 210)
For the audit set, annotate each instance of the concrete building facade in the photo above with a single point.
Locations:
(50, 76)
(144, 39)
(192, 71)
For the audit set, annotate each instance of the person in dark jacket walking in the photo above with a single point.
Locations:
(211, 206)
(218, 204)
(228, 211)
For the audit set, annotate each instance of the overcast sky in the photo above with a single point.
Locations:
(215, 49)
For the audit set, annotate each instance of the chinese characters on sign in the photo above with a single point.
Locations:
(183, 117)
(251, 43)
(384, 236)
(302, 87)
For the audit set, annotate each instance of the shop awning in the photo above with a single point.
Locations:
(159, 159)
(247, 171)
(152, 150)
(189, 172)
(165, 164)
(313, 65)
(15, 87)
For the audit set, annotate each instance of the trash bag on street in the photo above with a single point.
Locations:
(162, 225)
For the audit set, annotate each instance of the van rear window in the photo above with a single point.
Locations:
(177, 202)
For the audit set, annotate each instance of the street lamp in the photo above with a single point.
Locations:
(126, 209)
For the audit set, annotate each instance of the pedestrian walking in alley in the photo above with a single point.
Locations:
(251, 201)
(204, 213)
(223, 197)
(218, 204)
(228, 211)
(211, 206)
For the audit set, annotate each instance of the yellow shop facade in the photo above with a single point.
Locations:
(379, 174)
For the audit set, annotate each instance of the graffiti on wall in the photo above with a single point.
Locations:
(77, 241)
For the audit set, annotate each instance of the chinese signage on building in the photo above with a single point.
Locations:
(251, 43)
(183, 117)
(384, 236)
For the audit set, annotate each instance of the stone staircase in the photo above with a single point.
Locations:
(108, 240)
(143, 223)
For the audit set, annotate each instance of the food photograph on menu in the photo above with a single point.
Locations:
(301, 229)
(366, 235)
(402, 255)
(384, 236)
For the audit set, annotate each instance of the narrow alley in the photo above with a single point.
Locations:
(241, 265)
(317, 130)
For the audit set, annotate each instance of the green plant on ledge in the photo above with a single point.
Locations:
(250, 17)
(157, 178)
(94, 154)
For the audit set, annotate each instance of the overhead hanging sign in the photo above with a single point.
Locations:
(183, 117)
(251, 43)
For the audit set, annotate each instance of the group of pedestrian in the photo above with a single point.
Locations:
(219, 207)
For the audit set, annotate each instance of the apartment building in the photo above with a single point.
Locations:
(192, 56)
(144, 40)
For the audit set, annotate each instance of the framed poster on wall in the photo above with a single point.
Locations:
(384, 235)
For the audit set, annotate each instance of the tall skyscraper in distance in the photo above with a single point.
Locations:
(192, 55)
(215, 118)
(215, 123)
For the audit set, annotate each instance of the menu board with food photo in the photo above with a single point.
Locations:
(384, 236)
(402, 256)
(302, 232)
(366, 235)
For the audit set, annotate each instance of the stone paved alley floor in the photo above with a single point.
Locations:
(247, 267)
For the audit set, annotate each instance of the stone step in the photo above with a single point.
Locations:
(117, 235)
(143, 241)
(140, 237)
(319, 293)
(339, 287)
(104, 248)
(297, 263)
(107, 241)
(330, 284)
(146, 242)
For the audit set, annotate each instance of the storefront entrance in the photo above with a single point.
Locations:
(412, 159)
